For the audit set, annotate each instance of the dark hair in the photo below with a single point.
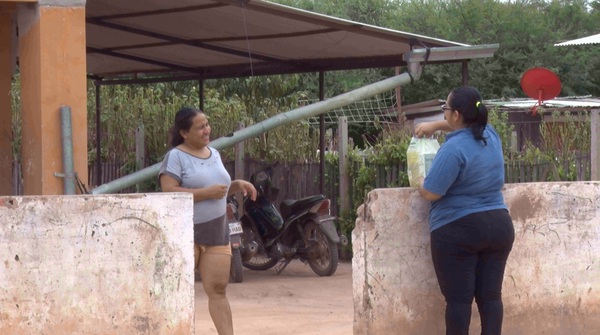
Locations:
(183, 121)
(468, 102)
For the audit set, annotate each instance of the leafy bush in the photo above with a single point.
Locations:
(364, 166)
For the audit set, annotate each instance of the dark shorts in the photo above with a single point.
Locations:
(213, 232)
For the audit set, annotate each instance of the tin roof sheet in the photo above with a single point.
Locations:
(565, 102)
(233, 38)
(594, 39)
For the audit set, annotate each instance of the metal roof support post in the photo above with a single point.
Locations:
(201, 93)
(98, 162)
(321, 134)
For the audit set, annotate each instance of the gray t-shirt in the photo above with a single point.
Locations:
(210, 225)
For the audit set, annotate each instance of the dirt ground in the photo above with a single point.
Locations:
(297, 302)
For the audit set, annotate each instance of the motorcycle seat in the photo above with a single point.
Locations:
(289, 206)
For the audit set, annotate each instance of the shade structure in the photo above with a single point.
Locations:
(209, 39)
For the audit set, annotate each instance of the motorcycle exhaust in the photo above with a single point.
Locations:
(343, 240)
(250, 250)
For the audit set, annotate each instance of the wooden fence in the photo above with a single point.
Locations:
(519, 171)
(297, 180)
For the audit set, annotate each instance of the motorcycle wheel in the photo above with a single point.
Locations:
(323, 255)
(236, 274)
(260, 261)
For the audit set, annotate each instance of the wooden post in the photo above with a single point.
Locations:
(239, 157)
(465, 72)
(140, 150)
(595, 145)
(239, 168)
(343, 164)
(514, 143)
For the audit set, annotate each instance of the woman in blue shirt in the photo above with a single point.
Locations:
(194, 167)
(471, 230)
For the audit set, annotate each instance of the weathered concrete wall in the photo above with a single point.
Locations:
(552, 279)
(106, 264)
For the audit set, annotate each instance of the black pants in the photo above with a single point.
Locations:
(469, 257)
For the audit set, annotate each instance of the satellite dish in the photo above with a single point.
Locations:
(540, 84)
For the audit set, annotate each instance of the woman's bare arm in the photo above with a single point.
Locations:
(426, 194)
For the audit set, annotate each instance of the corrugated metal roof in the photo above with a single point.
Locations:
(594, 39)
(565, 102)
(432, 111)
(232, 38)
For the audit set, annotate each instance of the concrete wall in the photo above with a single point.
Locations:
(552, 280)
(106, 264)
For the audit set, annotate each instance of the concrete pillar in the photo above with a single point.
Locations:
(6, 72)
(52, 63)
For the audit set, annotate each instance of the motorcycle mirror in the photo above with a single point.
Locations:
(261, 177)
(270, 169)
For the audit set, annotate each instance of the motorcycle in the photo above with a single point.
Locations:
(303, 229)
(236, 274)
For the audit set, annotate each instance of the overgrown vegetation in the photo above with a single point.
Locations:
(525, 30)
(565, 139)
(153, 106)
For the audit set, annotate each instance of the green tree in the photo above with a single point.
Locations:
(265, 97)
(525, 29)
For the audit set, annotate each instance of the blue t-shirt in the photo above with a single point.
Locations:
(468, 174)
(190, 171)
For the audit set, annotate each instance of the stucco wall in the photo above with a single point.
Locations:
(106, 264)
(552, 279)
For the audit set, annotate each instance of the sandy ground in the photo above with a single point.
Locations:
(297, 302)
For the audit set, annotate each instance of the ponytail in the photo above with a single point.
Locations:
(468, 102)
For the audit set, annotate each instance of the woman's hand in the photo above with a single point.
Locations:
(243, 186)
(426, 129)
(248, 188)
(217, 191)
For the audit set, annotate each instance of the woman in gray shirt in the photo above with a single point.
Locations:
(194, 167)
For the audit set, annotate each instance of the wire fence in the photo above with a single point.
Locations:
(378, 109)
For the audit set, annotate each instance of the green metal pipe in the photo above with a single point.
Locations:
(67, 148)
(271, 123)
